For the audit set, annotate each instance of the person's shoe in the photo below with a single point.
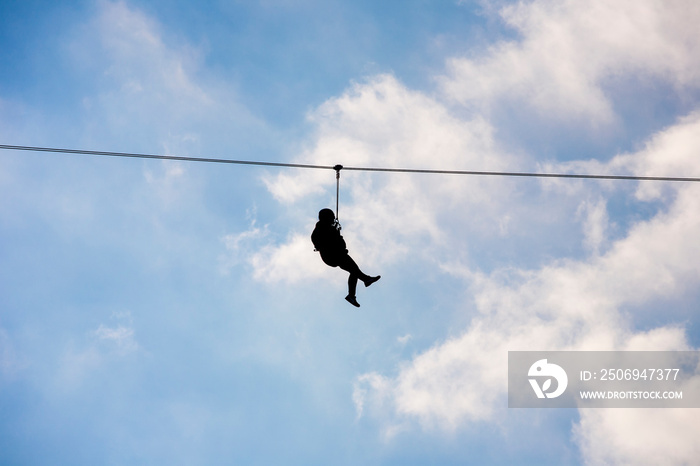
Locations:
(352, 300)
(371, 280)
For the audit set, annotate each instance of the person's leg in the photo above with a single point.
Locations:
(346, 263)
(349, 265)
(352, 284)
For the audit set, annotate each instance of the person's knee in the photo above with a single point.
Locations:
(350, 266)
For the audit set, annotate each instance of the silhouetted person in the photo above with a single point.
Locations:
(330, 243)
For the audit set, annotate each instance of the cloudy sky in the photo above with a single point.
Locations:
(159, 312)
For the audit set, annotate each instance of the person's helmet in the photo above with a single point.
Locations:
(326, 215)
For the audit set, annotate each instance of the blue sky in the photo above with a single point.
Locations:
(158, 312)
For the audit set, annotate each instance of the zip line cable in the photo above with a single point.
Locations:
(367, 169)
(160, 157)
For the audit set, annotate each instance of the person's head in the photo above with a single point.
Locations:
(326, 216)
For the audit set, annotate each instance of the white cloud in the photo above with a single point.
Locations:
(142, 62)
(568, 51)
(668, 153)
(104, 345)
(595, 223)
(381, 123)
(234, 242)
(241, 246)
(153, 87)
(404, 339)
(643, 436)
(639, 436)
(567, 57)
(120, 339)
(568, 304)
(167, 185)
(294, 261)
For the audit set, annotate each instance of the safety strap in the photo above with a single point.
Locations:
(337, 169)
